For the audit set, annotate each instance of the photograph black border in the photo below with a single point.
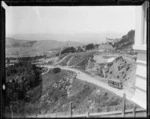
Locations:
(65, 3)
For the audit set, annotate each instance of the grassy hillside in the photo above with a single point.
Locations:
(44, 96)
(59, 90)
(11, 42)
(75, 58)
(122, 69)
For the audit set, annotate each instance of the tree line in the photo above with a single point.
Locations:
(87, 47)
(125, 41)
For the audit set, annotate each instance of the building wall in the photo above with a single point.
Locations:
(140, 46)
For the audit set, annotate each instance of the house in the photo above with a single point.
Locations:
(105, 47)
(112, 41)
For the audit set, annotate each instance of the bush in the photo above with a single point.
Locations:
(125, 41)
(89, 46)
(68, 50)
(56, 70)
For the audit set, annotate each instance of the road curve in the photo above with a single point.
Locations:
(95, 80)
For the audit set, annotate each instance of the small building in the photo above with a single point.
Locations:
(105, 47)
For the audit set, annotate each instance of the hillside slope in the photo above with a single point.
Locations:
(123, 70)
(126, 42)
(11, 42)
(75, 58)
(60, 89)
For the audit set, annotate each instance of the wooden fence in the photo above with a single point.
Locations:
(126, 113)
(122, 110)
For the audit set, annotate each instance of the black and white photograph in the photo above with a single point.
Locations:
(75, 61)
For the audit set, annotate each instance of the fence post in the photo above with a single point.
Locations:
(123, 105)
(36, 114)
(106, 108)
(56, 114)
(11, 111)
(70, 109)
(88, 111)
(134, 111)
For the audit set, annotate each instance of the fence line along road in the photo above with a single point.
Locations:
(111, 111)
(128, 113)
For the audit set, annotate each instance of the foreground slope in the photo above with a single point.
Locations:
(60, 89)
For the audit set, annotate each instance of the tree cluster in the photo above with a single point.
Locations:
(29, 59)
(56, 70)
(125, 41)
(68, 50)
(20, 78)
(89, 46)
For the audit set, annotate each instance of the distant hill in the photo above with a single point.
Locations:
(36, 44)
(30, 48)
(11, 42)
(82, 37)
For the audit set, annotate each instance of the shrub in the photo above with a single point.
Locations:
(68, 50)
(56, 70)
(89, 46)
(21, 78)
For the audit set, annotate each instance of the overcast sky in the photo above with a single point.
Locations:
(68, 20)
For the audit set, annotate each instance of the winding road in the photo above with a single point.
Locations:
(131, 94)
(81, 75)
